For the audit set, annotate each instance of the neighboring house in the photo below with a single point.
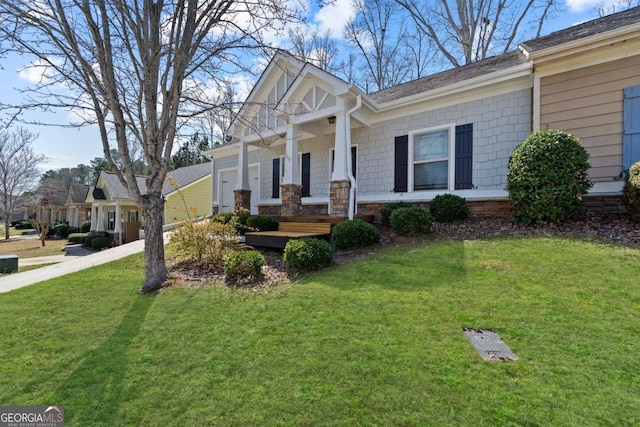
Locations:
(187, 193)
(78, 209)
(113, 212)
(306, 142)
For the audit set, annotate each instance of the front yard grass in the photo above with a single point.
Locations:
(30, 248)
(375, 342)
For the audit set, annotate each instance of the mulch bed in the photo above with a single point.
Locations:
(619, 231)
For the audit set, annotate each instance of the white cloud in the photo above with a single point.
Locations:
(582, 5)
(37, 72)
(335, 16)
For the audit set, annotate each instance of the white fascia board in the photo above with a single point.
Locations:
(584, 44)
(433, 103)
(487, 80)
(227, 150)
(587, 58)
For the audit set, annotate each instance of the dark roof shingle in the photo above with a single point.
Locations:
(445, 78)
(185, 176)
(586, 29)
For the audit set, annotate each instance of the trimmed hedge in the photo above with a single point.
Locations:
(244, 264)
(261, 223)
(388, 209)
(547, 178)
(307, 254)
(85, 227)
(354, 233)
(448, 208)
(411, 221)
(77, 237)
(100, 242)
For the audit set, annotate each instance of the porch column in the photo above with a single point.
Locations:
(100, 220)
(76, 217)
(291, 189)
(117, 230)
(242, 192)
(339, 185)
(94, 219)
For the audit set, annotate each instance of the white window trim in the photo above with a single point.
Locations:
(451, 127)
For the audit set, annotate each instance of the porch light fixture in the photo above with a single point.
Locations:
(332, 120)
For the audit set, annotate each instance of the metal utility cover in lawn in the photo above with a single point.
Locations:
(489, 345)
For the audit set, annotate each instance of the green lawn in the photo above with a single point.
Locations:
(375, 342)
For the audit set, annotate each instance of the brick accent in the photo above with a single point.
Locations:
(242, 201)
(339, 196)
(610, 205)
(291, 195)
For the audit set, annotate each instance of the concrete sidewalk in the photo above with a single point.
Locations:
(70, 264)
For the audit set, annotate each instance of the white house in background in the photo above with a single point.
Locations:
(113, 212)
(307, 142)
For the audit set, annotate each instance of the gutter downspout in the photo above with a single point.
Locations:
(352, 179)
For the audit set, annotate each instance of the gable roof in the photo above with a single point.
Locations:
(586, 29)
(185, 176)
(78, 192)
(114, 187)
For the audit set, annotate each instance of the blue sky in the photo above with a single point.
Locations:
(68, 147)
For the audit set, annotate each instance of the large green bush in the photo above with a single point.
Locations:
(388, 209)
(631, 191)
(307, 254)
(85, 227)
(411, 221)
(547, 178)
(244, 264)
(101, 242)
(354, 233)
(448, 208)
(261, 223)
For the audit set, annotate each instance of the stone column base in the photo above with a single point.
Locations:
(242, 202)
(291, 195)
(339, 197)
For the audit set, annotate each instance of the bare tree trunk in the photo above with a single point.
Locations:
(155, 267)
(7, 223)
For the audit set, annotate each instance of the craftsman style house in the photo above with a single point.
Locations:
(307, 142)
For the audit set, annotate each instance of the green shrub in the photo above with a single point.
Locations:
(448, 208)
(87, 239)
(238, 221)
(411, 221)
(547, 178)
(61, 230)
(388, 209)
(244, 264)
(354, 233)
(77, 237)
(101, 242)
(85, 227)
(24, 225)
(307, 254)
(631, 191)
(223, 217)
(210, 240)
(261, 223)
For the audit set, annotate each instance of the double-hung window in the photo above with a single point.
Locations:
(431, 154)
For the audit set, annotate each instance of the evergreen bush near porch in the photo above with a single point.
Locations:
(547, 178)
(354, 233)
(631, 191)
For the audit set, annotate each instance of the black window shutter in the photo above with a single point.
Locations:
(275, 179)
(401, 163)
(354, 161)
(464, 157)
(306, 174)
